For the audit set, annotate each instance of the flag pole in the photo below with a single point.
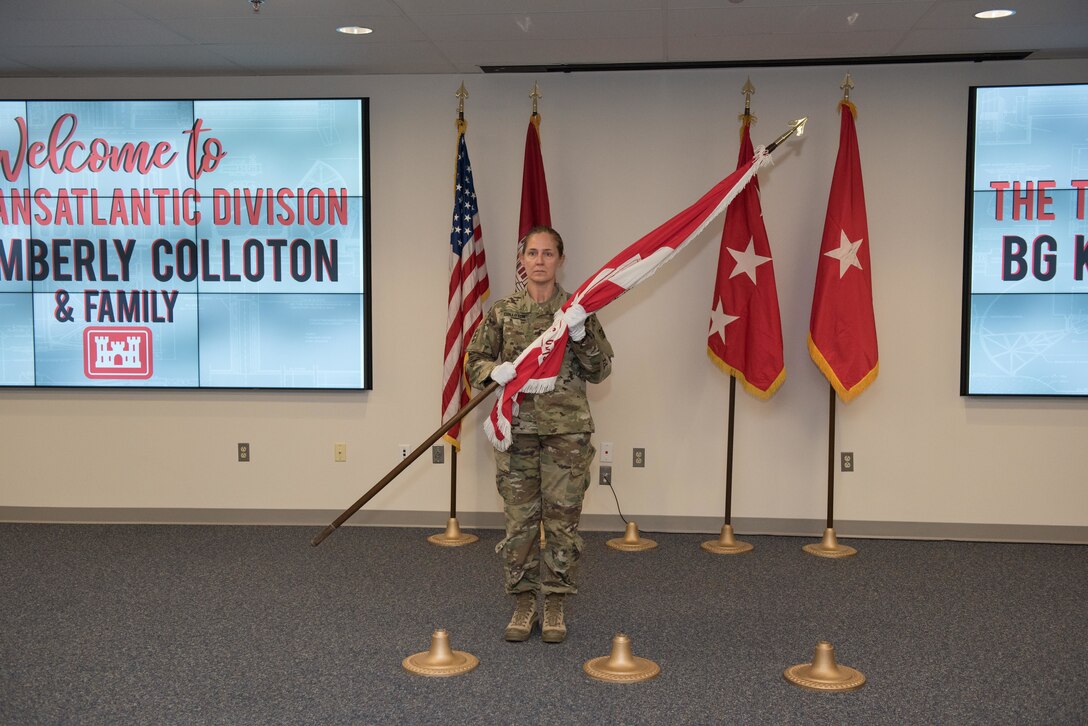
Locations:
(831, 457)
(404, 463)
(453, 536)
(727, 543)
(534, 118)
(729, 451)
(829, 546)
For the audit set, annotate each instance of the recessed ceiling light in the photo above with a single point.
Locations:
(354, 30)
(994, 14)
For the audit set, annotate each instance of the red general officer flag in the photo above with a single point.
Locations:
(467, 290)
(745, 338)
(539, 364)
(842, 330)
(534, 193)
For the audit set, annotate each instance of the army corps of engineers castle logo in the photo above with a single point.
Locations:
(117, 353)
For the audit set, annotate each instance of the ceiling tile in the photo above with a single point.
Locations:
(147, 60)
(340, 59)
(810, 19)
(550, 52)
(209, 10)
(67, 10)
(713, 4)
(296, 31)
(14, 69)
(87, 33)
(542, 26)
(934, 40)
(961, 14)
(486, 7)
(768, 46)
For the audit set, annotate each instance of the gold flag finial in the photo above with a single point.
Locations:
(846, 85)
(536, 96)
(797, 126)
(462, 94)
(748, 89)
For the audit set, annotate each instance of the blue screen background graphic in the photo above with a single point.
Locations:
(1028, 336)
(268, 333)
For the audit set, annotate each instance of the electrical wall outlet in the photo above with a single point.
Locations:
(606, 453)
(638, 458)
(606, 476)
(438, 454)
(243, 452)
(340, 452)
(846, 460)
(402, 452)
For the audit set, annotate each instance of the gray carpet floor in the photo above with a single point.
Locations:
(127, 624)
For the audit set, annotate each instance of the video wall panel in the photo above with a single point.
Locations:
(1025, 317)
(185, 243)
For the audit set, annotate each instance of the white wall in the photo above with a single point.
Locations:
(623, 152)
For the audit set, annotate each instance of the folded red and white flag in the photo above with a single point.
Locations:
(539, 364)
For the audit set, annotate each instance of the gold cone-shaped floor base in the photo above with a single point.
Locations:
(631, 542)
(453, 536)
(829, 547)
(440, 660)
(621, 666)
(823, 673)
(726, 544)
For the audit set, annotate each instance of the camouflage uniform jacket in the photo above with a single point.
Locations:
(508, 328)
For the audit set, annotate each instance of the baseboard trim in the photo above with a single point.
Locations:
(964, 531)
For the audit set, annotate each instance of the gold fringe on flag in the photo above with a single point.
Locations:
(846, 394)
(757, 392)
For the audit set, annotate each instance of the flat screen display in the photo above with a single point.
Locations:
(185, 244)
(1025, 311)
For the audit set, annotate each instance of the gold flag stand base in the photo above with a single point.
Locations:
(726, 544)
(824, 674)
(829, 547)
(453, 536)
(440, 660)
(631, 542)
(621, 666)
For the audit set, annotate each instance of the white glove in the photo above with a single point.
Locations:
(575, 318)
(503, 373)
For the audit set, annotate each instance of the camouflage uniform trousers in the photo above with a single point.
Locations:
(542, 478)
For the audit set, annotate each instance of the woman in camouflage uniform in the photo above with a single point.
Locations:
(544, 474)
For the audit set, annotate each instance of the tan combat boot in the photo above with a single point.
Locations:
(524, 618)
(554, 629)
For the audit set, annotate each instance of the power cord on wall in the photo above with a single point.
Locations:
(619, 511)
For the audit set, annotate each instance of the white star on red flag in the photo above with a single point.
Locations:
(846, 254)
(719, 319)
(747, 261)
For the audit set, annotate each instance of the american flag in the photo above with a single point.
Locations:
(468, 289)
